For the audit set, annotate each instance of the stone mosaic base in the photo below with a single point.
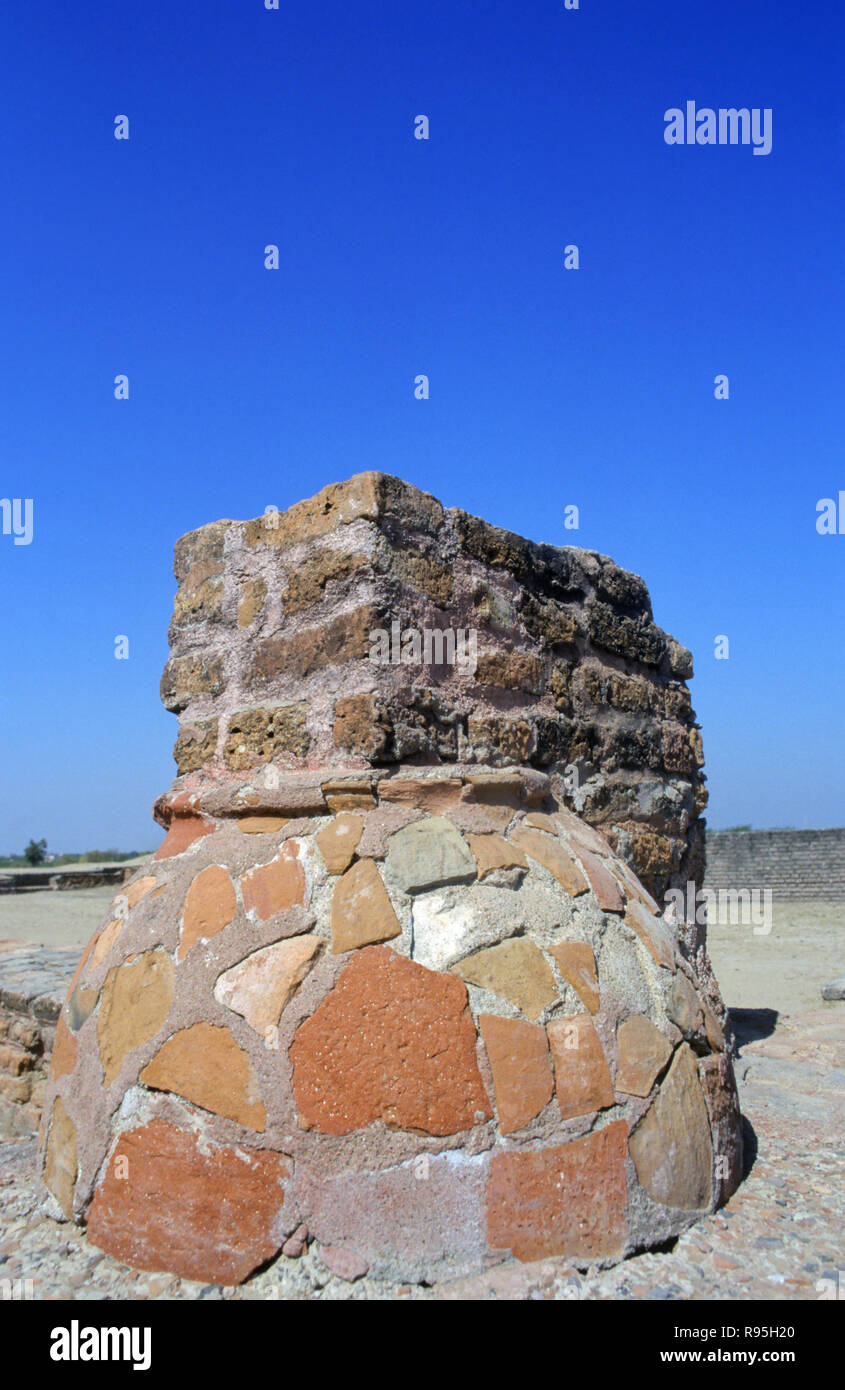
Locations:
(431, 1021)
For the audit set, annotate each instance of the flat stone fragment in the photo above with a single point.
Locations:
(262, 825)
(134, 892)
(135, 1002)
(684, 1007)
(107, 939)
(210, 906)
(392, 1042)
(720, 1095)
(181, 1203)
(577, 964)
(516, 970)
(276, 886)
(60, 1167)
(346, 1264)
(518, 1054)
(339, 841)
(835, 989)
(642, 1053)
(553, 856)
(537, 820)
(581, 834)
(671, 1147)
(259, 987)
(653, 933)
(565, 1200)
(433, 794)
(205, 1065)
(582, 1076)
(635, 888)
(63, 1056)
(361, 909)
(183, 832)
(422, 1219)
(494, 852)
(349, 796)
(429, 853)
(604, 885)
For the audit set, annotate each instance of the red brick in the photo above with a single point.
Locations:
(392, 1042)
(198, 1210)
(567, 1200)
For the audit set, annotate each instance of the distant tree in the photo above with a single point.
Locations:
(35, 852)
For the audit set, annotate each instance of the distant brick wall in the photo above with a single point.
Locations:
(793, 863)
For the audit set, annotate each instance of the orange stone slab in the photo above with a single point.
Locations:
(60, 1168)
(392, 1042)
(642, 1053)
(275, 886)
(339, 841)
(262, 825)
(536, 820)
(604, 885)
(135, 1002)
(134, 892)
(518, 1054)
(196, 1209)
(578, 967)
(65, 1046)
(209, 907)
(494, 852)
(107, 938)
(582, 1076)
(184, 831)
(567, 1200)
(553, 856)
(516, 970)
(433, 794)
(205, 1065)
(361, 909)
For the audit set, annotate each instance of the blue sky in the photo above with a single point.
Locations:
(548, 387)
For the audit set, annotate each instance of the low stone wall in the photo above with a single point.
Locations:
(792, 863)
(33, 984)
(25, 881)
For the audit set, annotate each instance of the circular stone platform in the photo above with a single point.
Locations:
(430, 1018)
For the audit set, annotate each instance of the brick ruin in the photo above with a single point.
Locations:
(270, 663)
(397, 980)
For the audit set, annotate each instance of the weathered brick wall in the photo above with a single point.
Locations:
(271, 651)
(792, 863)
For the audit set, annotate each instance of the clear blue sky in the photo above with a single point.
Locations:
(548, 387)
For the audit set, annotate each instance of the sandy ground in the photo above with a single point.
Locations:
(783, 970)
(51, 918)
(786, 969)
